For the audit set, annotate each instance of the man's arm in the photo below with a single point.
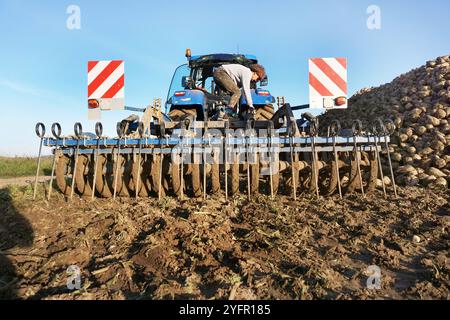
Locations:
(246, 79)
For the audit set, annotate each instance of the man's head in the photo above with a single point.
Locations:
(259, 72)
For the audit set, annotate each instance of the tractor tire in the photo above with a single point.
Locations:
(264, 113)
(181, 114)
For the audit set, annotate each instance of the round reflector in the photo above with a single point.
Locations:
(93, 104)
(340, 101)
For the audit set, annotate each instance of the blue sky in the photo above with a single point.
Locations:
(43, 64)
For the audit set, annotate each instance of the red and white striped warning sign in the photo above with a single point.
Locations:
(328, 83)
(106, 83)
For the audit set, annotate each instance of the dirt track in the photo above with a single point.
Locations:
(260, 250)
(21, 181)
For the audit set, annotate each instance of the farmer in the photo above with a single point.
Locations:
(233, 78)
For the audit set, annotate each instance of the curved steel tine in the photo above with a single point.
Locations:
(335, 128)
(138, 174)
(248, 127)
(56, 131)
(78, 130)
(99, 133)
(120, 133)
(356, 130)
(204, 159)
(40, 132)
(162, 133)
(271, 127)
(181, 171)
(376, 136)
(227, 128)
(291, 132)
(390, 131)
(313, 133)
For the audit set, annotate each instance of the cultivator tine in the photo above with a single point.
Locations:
(182, 137)
(227, 128)
(56, 131)
(204, 161)
(161, 158)
(377, 154)
(381, 129)
(390, 131)
(334, 130)
(291, 131)
(271, 132)
(99, 133)
(248, 127)
(120, 133)
(78, 129)
(315, 170)
(138, 174)
(356, 130)
(40, 132)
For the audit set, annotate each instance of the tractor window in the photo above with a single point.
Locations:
(176, 84)
(204, 77)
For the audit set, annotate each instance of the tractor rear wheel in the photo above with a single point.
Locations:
(264, 113)
(181, 114)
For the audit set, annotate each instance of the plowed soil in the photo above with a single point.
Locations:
(213, 249)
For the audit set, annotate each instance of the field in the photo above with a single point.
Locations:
(23, 167)
(263, 249)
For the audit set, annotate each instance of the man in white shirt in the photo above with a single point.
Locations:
(233, 77)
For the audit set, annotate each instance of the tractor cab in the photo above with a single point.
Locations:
(194, 92)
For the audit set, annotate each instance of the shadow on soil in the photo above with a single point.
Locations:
(15, 231)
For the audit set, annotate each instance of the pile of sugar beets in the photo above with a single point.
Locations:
(419, 104)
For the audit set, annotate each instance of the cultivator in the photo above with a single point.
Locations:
(191, 158)
(194, 151)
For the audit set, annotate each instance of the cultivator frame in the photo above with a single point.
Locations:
(181, 156)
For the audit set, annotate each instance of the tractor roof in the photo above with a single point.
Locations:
(222, 58)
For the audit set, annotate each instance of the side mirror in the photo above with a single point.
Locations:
(186, 81)
(264, 82)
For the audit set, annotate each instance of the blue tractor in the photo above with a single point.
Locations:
(194, 93)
